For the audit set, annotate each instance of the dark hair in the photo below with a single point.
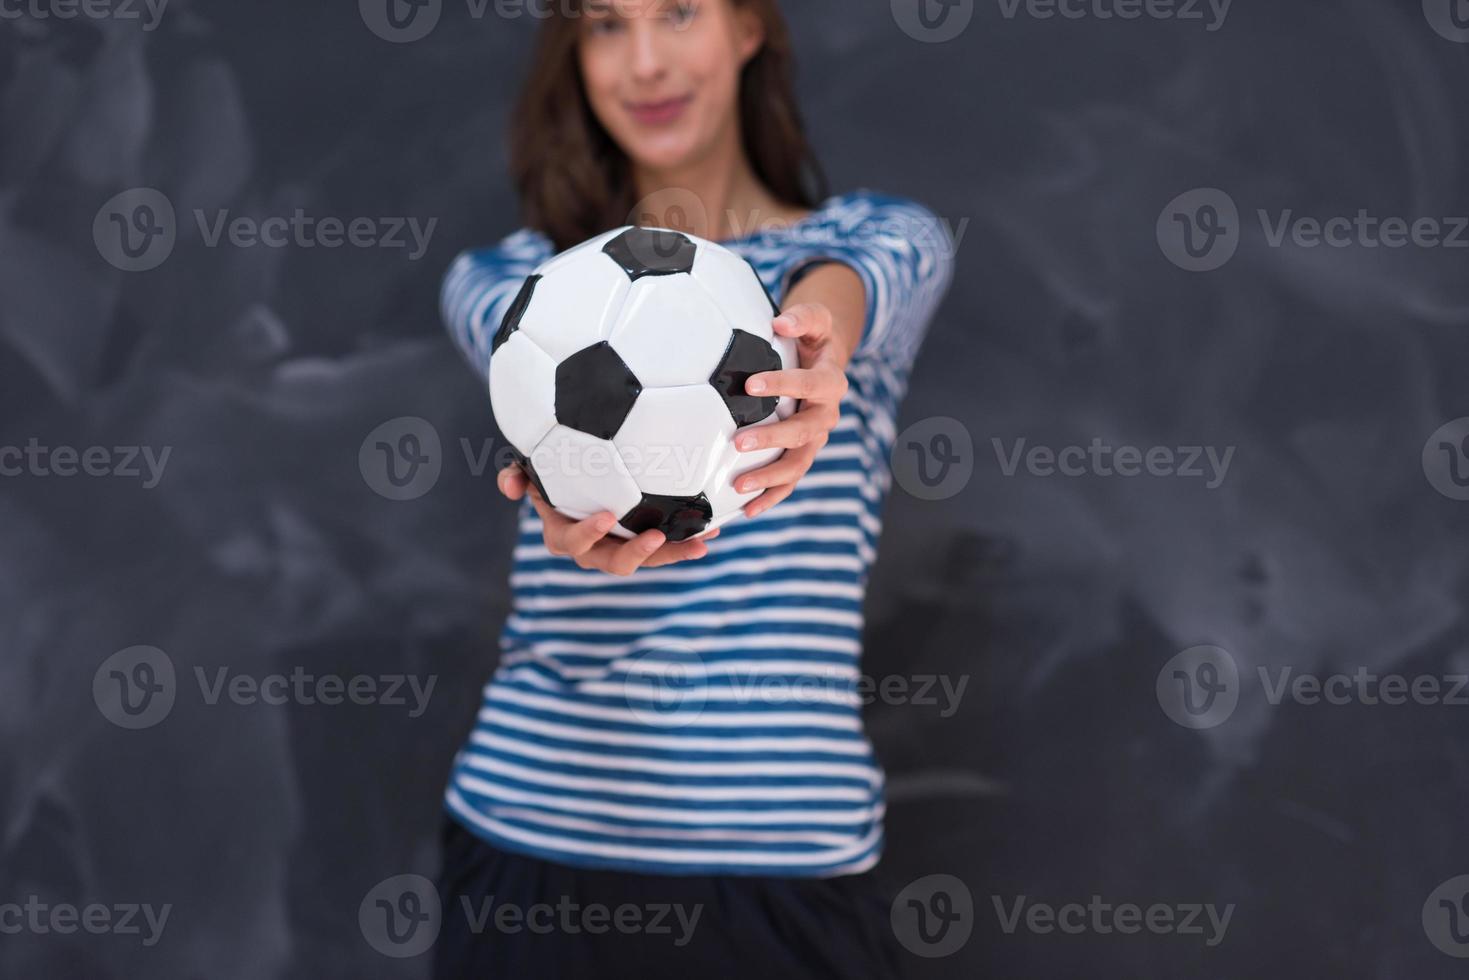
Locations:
(575, 182)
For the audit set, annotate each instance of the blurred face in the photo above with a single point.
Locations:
(663, 76)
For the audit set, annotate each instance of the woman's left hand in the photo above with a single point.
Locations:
(819, 383)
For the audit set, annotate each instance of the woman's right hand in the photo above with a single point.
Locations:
(587, 542)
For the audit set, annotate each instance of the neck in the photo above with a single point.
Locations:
(716, 197)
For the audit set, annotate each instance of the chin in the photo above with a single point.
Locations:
(666, 153)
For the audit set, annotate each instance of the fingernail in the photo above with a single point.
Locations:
(746, 442)
(747, 485)
(755, 386)
(651, 545)
(605, 522)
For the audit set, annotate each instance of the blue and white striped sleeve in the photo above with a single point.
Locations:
(480, 286)
(904, 256)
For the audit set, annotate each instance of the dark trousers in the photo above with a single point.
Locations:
(508, 915)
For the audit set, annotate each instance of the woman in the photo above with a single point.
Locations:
(752, 821)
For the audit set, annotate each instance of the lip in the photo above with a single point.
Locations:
(659, 113)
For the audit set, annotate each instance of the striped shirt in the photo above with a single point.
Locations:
(705, 717)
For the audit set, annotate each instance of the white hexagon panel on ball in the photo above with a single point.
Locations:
(673, 439)
(576, 304)
(671, 333)
(584, 475)
(733, 464)
(523, 392)
(733, 283)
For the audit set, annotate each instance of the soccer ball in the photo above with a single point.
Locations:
(618, 377)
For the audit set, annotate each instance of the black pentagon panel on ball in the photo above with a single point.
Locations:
(651, 252)
(747, 354)
(513, 316)
(774, 309)
(530, 471)
(595, 390)
(679, 518)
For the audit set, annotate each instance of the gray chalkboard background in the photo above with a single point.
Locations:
(1063, 150)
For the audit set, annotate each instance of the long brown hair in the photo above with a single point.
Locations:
(575, 182)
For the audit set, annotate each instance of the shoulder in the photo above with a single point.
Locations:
(888, 231)
(868, 208)
(870, 220)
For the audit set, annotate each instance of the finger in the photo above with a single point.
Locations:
(579, 538)
(801, 428)
(554, 524)
(819, 384)
(601, 556)
(788, 469)
(811, 322)
(670, 554)
(512, 481)
(543, 509)
(768, 499)
(629, 556)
